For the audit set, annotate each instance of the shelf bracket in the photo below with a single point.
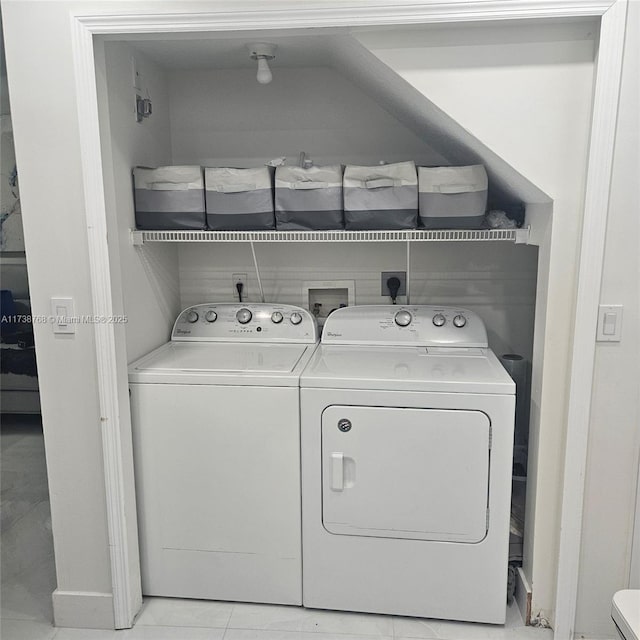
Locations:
(522, 235)
(137, 239)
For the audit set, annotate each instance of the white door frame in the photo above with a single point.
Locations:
(291, 15)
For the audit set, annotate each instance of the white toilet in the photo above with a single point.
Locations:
(625, 612)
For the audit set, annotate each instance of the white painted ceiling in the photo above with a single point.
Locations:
(230, 51)
(318, 47)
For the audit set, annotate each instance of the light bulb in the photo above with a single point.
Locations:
(264, 73)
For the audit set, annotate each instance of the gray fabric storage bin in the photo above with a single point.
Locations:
(308, 198)
(381, 197)
(169, 197)
(239, 199)
(452, 197)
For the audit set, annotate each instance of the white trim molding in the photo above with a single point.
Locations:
(83, 609)
(603, 128)
(291, 15)
(127, 592)
(280, 14)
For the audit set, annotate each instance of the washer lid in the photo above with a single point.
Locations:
(459, 370)
(221, 363)
(625, 611)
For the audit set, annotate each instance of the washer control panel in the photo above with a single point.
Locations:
(419, 325)
(249, 322)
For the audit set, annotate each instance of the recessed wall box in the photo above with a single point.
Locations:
(322, 297)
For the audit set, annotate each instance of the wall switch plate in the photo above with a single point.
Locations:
(401, 275)
(62, 312)
(609, 323)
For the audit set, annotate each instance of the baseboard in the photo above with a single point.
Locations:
(523, 596)
(83, 609)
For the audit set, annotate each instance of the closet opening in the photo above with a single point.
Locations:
(364, 97)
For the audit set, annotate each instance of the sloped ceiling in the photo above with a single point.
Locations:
(350, 58)
(422, 116)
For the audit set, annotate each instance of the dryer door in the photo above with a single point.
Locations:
(406, 473)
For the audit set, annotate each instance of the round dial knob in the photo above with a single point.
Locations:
(192, 317)
(403, 318)
(243, 316)
(276, 317)
(439, 320)
(459, 321)
(211, 316)
(296, 318)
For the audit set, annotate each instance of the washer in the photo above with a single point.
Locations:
(216, 428)
(407, 424)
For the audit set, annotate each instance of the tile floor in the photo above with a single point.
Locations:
(28, 578)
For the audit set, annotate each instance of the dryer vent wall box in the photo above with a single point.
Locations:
(406, 496)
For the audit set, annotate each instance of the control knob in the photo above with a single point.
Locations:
(403, 318)
(276, 317)
(296, 318)
(192, 317)
(243, 316)
(459, 321)
(211, 316)
(439, 320)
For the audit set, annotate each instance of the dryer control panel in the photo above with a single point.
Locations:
(410, 325)
(249, 322)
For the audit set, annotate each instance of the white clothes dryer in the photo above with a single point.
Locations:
(407, 424)
(216, 425)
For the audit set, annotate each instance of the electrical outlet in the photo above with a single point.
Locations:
(235, 279)
(401, 275)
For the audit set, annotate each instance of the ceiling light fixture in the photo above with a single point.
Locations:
(261, 51)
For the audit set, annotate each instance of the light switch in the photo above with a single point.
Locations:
(62, 310)
(609, 327)
(609, 323)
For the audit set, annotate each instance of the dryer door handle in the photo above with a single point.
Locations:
(337, 471)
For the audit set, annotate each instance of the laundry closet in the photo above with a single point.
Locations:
(360, 98)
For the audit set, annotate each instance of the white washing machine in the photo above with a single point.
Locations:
(216, 424)
(407, 436)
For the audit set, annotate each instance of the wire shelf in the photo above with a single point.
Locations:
(519, 236)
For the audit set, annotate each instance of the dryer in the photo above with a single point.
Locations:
(407, 424)
(216, 423)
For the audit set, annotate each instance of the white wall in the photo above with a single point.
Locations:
(634, 573)
(150, 283)
(497, 280)
(614, 437)
(525, 91)
(225, 118)
(48, 153)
